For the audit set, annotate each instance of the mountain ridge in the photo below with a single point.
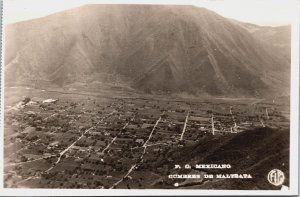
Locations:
(206, 53)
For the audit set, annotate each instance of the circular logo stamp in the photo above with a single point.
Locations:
(276, 177)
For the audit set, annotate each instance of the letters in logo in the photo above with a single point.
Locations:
(276, 177)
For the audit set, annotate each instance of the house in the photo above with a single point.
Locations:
(146, 125)
(55, 143)
(132, 127)
(140, 141)
(50, 101)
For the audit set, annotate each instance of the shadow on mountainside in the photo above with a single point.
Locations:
(254, 152)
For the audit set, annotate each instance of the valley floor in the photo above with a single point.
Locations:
(81, 139)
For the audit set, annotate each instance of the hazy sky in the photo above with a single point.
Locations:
(261, 12)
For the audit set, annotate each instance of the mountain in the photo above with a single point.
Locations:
(278, 37)
(165, 48)
(249, 152)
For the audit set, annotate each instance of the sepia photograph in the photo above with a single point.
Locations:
(170, 96)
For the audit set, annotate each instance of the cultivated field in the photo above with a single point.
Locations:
(76, 139)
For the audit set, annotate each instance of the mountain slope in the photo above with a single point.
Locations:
(254, 152)
(278, 37)
(148, 47)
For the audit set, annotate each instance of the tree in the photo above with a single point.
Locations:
(24, 159)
